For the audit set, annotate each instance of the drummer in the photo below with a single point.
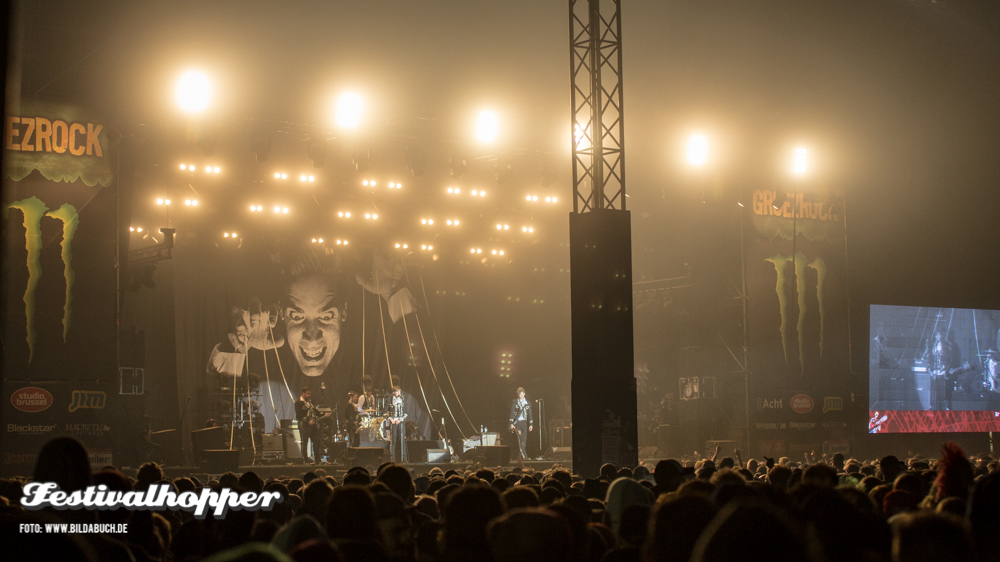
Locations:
(366, 402)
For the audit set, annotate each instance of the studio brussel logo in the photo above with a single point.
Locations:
(31, 399)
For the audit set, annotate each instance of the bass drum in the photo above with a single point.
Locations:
(375, 433)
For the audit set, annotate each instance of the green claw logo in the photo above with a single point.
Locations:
(801, 263)
(33, 210)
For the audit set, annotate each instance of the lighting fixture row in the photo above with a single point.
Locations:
(480, 250)
(430, 222)
(373, 183)
(347, 215)
(193, 168)
(534, 199)
(475, 192)
(303, 177)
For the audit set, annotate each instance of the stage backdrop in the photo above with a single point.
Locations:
(59, 227)
(796, 271)
(285, 315)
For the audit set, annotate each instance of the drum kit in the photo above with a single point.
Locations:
(376, 425)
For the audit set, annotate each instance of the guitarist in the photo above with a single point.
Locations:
(309, 429)
(521, 421)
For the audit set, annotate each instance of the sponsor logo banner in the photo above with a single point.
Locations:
(802, 403)
(31, 399)
(30, 429)
(833, 404)
(87, 400)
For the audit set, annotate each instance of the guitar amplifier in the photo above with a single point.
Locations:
(271, 442)
(489, 439)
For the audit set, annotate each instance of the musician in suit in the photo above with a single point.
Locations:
(521, 421)
(353, 421)
(308, 416)
(396, 416)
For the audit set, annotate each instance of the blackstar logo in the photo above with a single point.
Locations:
(31, 399)
(29, 429)
(802, 403)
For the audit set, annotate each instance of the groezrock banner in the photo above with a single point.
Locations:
(59, 227)
(796, 272)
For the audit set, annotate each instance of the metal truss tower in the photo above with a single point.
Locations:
(600, 233)
(598, 110)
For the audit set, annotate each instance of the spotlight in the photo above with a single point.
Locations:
(430, 221)
(320, 240)
(260, 145)
(472, 251)
(405, 246)
(479, 250)
(494, 252)
(423, 246)
(392, 185)
(277, 209)
(368, 215)
(487, 126)
(302, 177)
(194, 202)
(338, 242)
(457, 165)
(215, 169)
(187, 202)
(316, 151)
(131, 229)
(347, 215)
(416, 161)
(277, 175)
(534, 198)
(527, 198)
(193, 92)
(374, 216)
(284, 210)
(423, 221)
(138, 229)
(697, 150)
(225, 235)
(501, 252)
(350, 110)
(208, 169)
(548, 199)
(234, 235)
(253, 208)
(284, 176)
(184, 167)
(800, 164)
(475, 192)
(166, 201)
(365, 182)
(482, 193)
(314, 240)
(312, 178)
(499, 227)
(397, 245)
(159, 201)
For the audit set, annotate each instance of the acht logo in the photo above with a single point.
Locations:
(31, 399)
(802, 403)
(833, 404)
(87, 400)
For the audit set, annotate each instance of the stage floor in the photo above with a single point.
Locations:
(297, 470)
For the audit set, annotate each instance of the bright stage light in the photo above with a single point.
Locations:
(193, 92)
(187, 202)
(314, 240)
(365, 182)
(284, 210)
(159, 201)
(499, 227)
(397, 245)
(234, 235)
(277, 176)
(166, 201)
(548, 199)
(184, 167)
(423, 221)
(284, 176)
(138, 229)
(277, 209)
(302, 177)
(482, 193)
(320, 240)
(194, 202)
(312, 178)
(225, 235)
(800, 165)
(475, 192)
(506, 227)
(131, 229)
(487, 126)
(697, 150)
(494, 252)
(215, 169)
(208, 169)
(501, 252)
(350, 110)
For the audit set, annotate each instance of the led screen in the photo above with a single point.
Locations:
(933, 370)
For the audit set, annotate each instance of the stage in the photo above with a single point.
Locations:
(338, 470)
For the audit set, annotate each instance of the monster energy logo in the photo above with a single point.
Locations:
(33, 210)
(801, 263)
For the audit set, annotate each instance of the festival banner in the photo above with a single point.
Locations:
(59, 227)
(796, 272)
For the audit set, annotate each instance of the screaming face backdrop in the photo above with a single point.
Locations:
(58, 339)
(796, 272)
(277, 317)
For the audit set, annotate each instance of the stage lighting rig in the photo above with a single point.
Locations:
(260, 145)
(280, 176)
(191, 202)
(487, 126)
(479, 193)
(457, 165)
(451, 222)
(344, 214)
(305, 178)
(503, 170)
(427, 222)
(316, 151)
(256, 208)
(162, 201)
(395, 185)
(361, 157)
(341, 242)
(416, 161)
(528, 229)
(454, 190)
